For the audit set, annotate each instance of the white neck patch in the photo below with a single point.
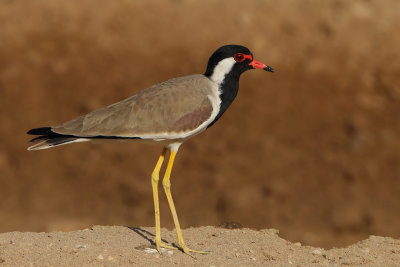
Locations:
(222, 69)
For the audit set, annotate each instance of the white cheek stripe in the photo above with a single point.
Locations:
(223, 67)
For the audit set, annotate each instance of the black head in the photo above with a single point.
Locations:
(232, 59)
(224, 68)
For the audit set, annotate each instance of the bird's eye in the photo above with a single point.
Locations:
(239, 57)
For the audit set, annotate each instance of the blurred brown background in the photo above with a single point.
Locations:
(312, 150)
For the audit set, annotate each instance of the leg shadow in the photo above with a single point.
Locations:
(148, 236)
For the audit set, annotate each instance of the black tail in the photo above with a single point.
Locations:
(40, 131)
(49, 138)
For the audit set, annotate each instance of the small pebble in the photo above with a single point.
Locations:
(150, 250)
(81, 247)
(316, 252)
(297, 244)
(100, 257)
(153, 250)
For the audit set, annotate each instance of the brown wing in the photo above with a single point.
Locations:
(175, 106)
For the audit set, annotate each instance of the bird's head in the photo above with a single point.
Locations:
(233, 60)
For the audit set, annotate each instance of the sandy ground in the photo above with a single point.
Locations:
(122, 246)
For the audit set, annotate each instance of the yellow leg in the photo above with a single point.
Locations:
(154, 181)
(167, 189)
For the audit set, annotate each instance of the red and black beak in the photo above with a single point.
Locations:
(258, 65)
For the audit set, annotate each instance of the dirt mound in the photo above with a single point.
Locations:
(116, 246)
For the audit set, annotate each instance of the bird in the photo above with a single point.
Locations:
(167, 114)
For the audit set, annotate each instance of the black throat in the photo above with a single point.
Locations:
(229, 89)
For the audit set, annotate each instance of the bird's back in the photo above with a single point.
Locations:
(174, 106)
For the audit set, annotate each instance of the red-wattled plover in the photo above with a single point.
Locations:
(167, 114)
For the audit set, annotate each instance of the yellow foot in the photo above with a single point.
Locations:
(161, 244)
(189, 251)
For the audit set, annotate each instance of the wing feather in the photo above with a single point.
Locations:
(176, 106)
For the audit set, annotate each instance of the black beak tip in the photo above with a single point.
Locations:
(268, 68)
